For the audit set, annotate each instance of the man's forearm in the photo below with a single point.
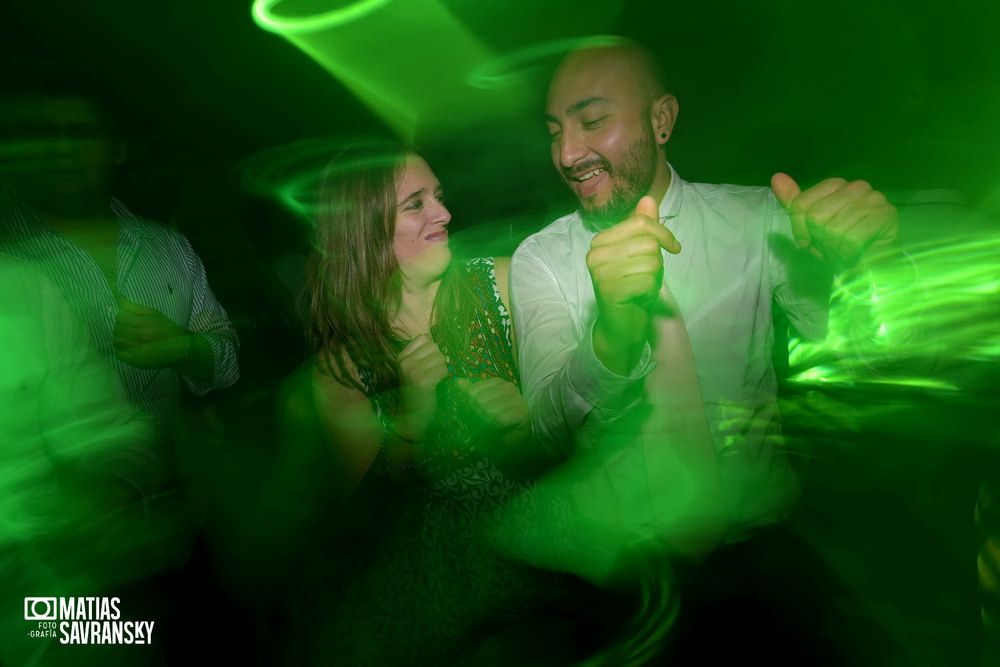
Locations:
(619, 336)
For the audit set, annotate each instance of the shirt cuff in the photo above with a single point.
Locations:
(224, 374)
(608, 392)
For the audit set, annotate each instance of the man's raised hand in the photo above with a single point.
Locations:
(839, 222)
(626, 266)
(625, 261)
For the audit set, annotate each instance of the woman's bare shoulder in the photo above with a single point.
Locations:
(501, 269)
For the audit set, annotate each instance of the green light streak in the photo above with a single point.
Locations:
(268, 19)
(938, 311)
(407, 61)
(514, 68)
(292, 173)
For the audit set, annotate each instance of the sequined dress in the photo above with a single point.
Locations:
(427, 588)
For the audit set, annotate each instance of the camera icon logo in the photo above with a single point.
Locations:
(39, 609)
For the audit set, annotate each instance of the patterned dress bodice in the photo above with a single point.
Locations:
(454, 456)
(436, 578)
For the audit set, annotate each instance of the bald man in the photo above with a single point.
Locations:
(584, 288)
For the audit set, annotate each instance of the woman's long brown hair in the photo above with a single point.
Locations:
(352, 286)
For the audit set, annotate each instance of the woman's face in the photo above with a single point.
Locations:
(421, 240)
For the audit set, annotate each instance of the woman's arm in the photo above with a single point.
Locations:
(328, 447)
(348, 427)
(357, 439)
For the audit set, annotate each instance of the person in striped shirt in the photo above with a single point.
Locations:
(142, 295)
(137, 284)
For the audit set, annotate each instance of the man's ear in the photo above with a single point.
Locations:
(121, 151)
(664, 115)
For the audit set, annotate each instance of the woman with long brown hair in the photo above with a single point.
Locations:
(390, 317)
(415, 388)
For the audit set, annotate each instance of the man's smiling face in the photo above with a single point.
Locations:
(603, 142)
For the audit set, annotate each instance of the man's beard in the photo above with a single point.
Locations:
(633, 177)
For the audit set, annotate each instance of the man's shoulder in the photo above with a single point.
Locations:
(159, 234)
(153, 228)
(142, 226)
(747, 195)
(148, 229)
(558, 235)
(728, 208)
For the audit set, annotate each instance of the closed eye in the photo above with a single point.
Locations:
(595, 123)
(554, 131)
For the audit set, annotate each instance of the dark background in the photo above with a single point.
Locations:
(901, 93)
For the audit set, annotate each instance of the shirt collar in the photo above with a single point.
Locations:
(670, 205)
(127, 220)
